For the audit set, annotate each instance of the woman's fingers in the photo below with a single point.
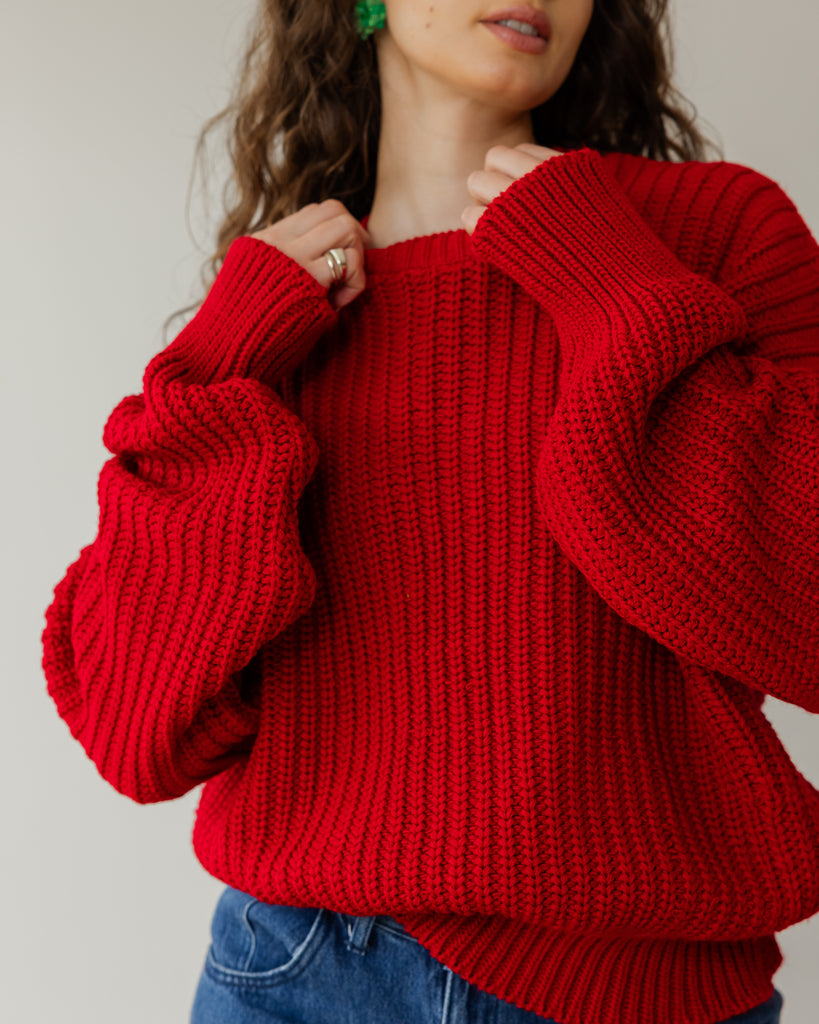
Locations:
(340, 231)
(308, 234)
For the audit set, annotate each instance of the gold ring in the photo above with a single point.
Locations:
(337, 261)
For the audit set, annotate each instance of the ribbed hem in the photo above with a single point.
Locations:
(423, 251)
(263, 311)
(569, 234)
(602, 979)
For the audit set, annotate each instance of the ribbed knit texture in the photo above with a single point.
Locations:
(465, 598)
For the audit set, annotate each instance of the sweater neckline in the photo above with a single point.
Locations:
(418, 251)
(424, 250)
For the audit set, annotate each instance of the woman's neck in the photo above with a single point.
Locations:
(426, 152)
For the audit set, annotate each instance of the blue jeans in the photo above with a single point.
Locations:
(275, 964)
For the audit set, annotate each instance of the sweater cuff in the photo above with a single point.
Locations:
(567, 232)
(262, 314)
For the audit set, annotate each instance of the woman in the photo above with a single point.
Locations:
(456, 540)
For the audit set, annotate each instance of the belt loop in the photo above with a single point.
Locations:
(358, 932)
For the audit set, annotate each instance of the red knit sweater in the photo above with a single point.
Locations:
(464, 599)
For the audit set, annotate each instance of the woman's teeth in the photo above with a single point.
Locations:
(519, 26)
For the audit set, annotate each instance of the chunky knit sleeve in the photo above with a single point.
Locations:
(197, 561)
(680, 469)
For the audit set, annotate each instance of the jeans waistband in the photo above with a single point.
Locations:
(359, 928)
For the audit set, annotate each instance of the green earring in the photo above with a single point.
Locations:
(369, 16)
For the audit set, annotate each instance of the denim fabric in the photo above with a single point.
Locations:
(275, 964)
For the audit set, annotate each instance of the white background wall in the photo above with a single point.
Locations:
(105, 909)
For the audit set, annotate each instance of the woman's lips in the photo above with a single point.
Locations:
(526, 13)
(520, 41)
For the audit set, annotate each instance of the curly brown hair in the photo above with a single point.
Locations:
(305, 111)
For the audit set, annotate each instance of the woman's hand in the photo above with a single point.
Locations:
(502, 166)
(306, 235)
